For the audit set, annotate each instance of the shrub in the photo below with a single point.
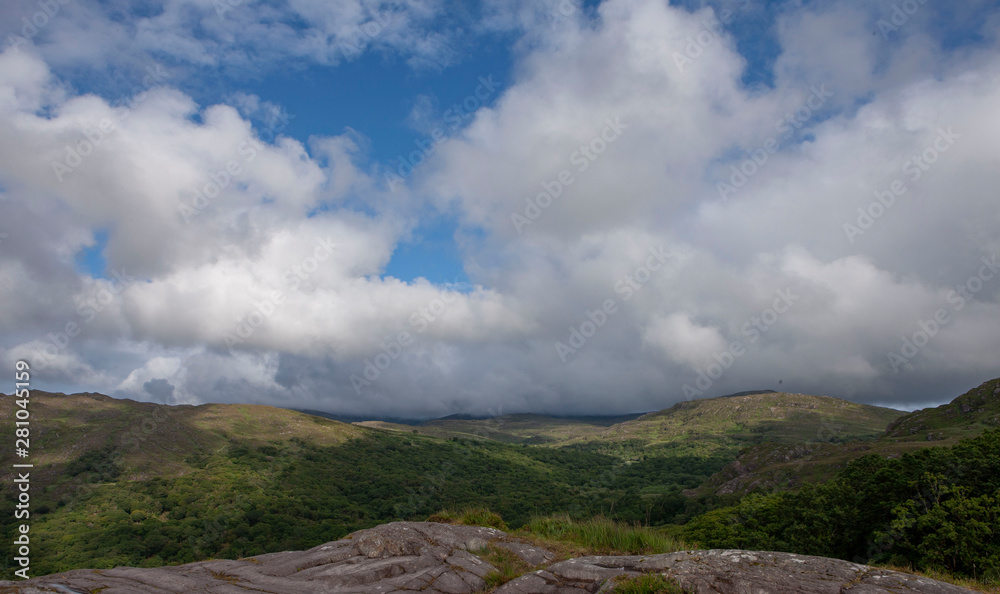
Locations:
(473, 516)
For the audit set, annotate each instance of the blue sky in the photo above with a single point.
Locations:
(377, 96)
(347, 204)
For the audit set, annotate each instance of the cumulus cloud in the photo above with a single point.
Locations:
(247, 36)
(683, 340)
(625, 178)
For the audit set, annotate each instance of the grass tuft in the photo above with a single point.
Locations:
(470, 516)
(987, 587)
(508, 565)
(604, 536)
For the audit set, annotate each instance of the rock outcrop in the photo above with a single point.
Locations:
(727, 572)
(440, 558)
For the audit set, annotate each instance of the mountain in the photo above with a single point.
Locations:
(789, 465)
(738, 420)
(966, 416)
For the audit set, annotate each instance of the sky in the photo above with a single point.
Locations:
(416, 208)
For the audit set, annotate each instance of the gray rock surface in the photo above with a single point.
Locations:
(441, 559)
(728, 572)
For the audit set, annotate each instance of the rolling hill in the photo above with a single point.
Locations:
(151, 438)
(739, 420)
(789, 465)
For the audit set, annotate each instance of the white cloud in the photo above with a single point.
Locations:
(684, 341)
(216, 223)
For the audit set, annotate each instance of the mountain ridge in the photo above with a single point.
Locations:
(771, 466)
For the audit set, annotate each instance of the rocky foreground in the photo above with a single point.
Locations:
(440, 558)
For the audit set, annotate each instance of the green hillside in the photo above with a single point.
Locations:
(933, 509)
(151, 439)
(966, 416)
(755, 418)
(118, 482)
(790, 465)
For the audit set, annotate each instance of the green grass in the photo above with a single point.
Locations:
(603, 536)
(986, 587)
(569, 538)
(508, 565)
(647, 583)
(474, 516)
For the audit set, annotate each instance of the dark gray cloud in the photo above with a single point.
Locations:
(160, 389)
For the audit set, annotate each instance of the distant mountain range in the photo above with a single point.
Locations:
(711, 425)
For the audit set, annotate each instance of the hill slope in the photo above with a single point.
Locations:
(755, 418)
(152, 438)
(786, 465)
(966, 416)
